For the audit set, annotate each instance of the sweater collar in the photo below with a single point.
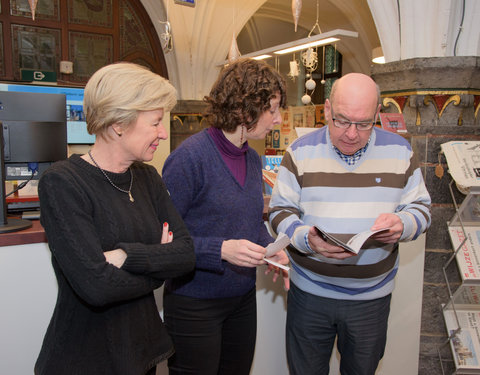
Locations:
(226, 147)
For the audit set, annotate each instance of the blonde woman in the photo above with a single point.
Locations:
(114, 234)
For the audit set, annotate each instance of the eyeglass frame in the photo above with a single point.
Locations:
(350, 123)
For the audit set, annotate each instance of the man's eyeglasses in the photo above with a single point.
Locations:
(345, 124)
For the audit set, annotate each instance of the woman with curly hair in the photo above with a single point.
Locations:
(215, 181)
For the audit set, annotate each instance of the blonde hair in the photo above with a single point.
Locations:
(116, 93)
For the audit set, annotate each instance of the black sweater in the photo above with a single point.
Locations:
(105, 320)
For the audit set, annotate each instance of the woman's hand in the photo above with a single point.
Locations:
(282, 258)
(243, 253)
(167, 236)
(116, 257)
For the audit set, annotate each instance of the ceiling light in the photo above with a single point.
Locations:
(304, 43)
(377, 56)
(261, 57)
(307, 45)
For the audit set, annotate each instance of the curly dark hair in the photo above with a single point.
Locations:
(242, 93)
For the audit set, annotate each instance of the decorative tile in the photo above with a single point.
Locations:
(89, 52)
(91, 12)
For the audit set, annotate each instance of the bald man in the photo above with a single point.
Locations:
(346, 177)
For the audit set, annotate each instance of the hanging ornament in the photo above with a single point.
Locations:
(233, 52)
(306, 99)
(294, 71)
(323, 66)
(33, 7)
(310, 59)
(166, 37)
(335, 58)
(296, 10)
(310, 84)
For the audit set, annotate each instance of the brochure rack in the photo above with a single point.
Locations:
(462, 311)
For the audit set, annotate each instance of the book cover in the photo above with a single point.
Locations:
(270, 165)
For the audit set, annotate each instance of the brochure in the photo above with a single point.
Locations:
(354, 244)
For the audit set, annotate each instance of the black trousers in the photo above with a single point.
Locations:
(211, 336)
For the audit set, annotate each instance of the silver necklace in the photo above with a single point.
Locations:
(129, 191)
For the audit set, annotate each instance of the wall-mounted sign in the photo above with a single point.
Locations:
(393, 122)
(190, 3)
(33, 75)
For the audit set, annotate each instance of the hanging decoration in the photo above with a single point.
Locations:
(233, 51)
(334, 58)
(33, 7)
(296, 10)
(294, 71)
(166, 39)
(310, 60)
(323, 67)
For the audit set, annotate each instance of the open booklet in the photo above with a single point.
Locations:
(354, 244)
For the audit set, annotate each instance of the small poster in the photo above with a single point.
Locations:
(276, 138)
(393, 122)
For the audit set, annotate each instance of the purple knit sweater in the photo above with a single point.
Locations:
(215, 207)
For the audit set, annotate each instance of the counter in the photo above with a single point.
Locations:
(28, 290)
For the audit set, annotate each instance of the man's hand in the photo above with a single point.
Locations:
(319, 245)
(391, 221)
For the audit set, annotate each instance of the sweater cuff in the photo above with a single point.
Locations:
(137, 257)
(300, 239)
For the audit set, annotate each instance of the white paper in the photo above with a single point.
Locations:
(280, 243)
(276, 264)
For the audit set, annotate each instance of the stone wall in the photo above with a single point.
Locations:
(440, 100)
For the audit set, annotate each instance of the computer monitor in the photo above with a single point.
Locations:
(76, 125)
(34, 130)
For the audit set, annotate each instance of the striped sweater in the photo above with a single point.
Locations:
(315, 187)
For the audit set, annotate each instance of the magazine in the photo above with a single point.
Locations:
(464, 342)
(354, 244)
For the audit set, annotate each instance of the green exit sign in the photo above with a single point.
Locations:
(33, 75)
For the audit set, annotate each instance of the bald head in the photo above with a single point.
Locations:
(354, 87)
(354, 99)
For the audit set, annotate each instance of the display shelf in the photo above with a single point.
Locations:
(462, 311)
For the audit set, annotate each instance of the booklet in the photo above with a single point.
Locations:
(354, 244)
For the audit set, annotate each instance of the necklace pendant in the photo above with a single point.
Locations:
(131, 198)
